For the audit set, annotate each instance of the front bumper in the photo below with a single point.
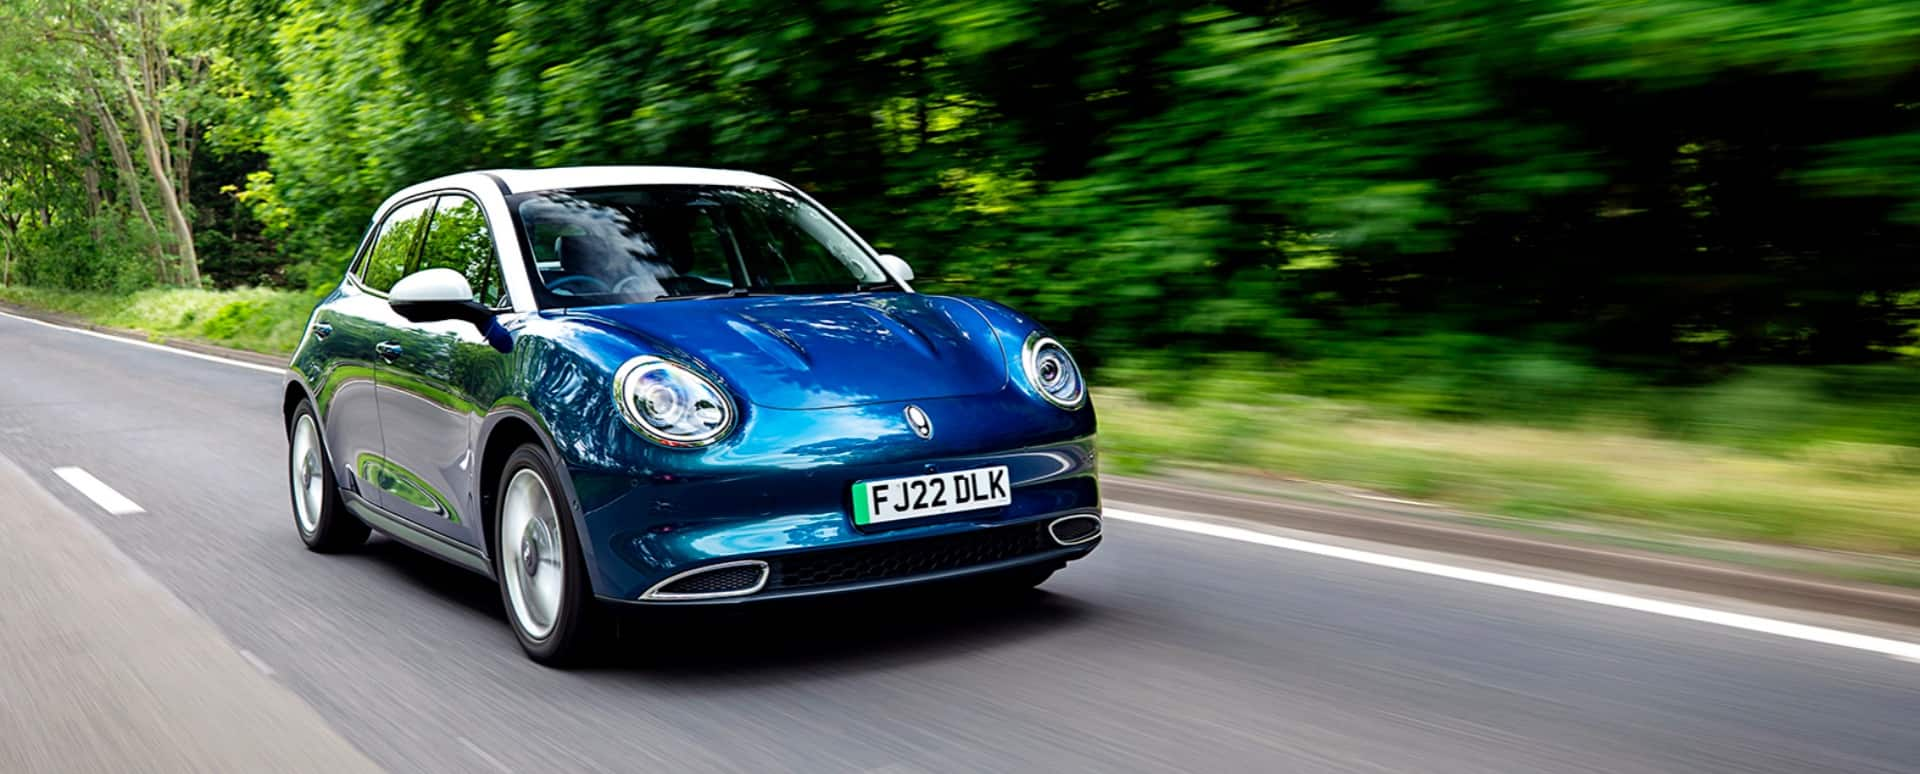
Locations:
(885, 564)
(643, 527)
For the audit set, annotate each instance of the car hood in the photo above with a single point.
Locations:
(806, 352)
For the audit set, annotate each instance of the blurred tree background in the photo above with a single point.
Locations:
(1341, 195)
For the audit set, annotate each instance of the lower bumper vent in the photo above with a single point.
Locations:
(720, 580)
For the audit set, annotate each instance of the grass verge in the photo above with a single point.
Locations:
(254, 319)
(1837, 495)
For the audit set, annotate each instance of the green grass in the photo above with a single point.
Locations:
(255, 319)
(1814, 457)
(1839, 495)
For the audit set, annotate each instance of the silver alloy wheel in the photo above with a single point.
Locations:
(308, 471)
(532, 553)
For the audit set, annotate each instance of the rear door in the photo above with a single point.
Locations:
(349, 329)
(433, 393)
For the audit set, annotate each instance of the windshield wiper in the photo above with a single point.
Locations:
(733, 293)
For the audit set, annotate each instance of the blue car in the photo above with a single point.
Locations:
(654, 386)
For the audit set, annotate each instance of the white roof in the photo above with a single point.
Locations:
(522, 180)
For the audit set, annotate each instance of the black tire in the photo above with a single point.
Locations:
(334, 528)
(578, 630)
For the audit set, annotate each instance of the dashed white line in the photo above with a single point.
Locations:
(148, 345)
(256, 661)
(1906, 651)
(98, 491)
(482, 755)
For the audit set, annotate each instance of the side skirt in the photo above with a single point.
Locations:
(419, 539)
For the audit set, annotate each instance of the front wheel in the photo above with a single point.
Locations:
(542, 573)
(324, 523)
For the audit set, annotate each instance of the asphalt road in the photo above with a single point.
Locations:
(1163, 651)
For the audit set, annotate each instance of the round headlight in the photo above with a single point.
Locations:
(1053, 373)
(670, 404)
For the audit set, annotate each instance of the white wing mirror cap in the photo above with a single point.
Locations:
(898, 267)
(432, 285)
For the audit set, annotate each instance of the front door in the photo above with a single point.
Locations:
(433, 391)
(348, 330)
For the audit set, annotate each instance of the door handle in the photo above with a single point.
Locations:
(322, 330)
(387, 350)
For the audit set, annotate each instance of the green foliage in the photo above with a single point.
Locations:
(106, 254)
(1676, 184)
(257, 319)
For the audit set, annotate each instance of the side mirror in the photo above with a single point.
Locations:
(897, 266)
(438, 294)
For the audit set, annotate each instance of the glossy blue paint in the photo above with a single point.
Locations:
(820, 382)
(781, 481)
(804, 352)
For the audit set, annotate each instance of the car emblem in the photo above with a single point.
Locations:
(917, 419)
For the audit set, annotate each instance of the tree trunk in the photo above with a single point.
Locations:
(12, 224)
(187, 135)
(160, 169)
(130, 180)
(90, 174)
(46, 196)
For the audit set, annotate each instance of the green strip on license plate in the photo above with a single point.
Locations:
(862, 504)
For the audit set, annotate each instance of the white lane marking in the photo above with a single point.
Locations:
(1385, 499)
(482, 755)
(98, 491)
(1896, 648)
(150, 345)
(256, 661)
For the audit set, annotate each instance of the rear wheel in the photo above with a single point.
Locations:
(542, 573)
(324, 523)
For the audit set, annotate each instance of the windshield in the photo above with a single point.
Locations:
(628, 245)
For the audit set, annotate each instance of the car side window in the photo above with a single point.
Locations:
(386, 262)
(458, 239)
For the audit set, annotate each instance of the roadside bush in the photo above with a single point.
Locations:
(66, 256)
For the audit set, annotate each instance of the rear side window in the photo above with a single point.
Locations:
(458, 239)
(387, 262)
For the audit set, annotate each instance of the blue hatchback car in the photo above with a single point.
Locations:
(653, 386)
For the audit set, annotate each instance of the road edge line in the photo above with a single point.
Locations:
(1765, 585)
(147, 344)
(1899, 649)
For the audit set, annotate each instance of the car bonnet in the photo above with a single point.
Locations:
(810, 352)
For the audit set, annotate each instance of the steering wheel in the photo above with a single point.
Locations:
(633, 284)
(692, 285)
(562, 285)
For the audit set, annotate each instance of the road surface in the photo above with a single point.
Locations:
(1163, 651)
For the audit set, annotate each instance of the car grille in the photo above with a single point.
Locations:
(904, 558)
(725, 579)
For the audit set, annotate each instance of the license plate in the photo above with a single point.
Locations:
(934, 494)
